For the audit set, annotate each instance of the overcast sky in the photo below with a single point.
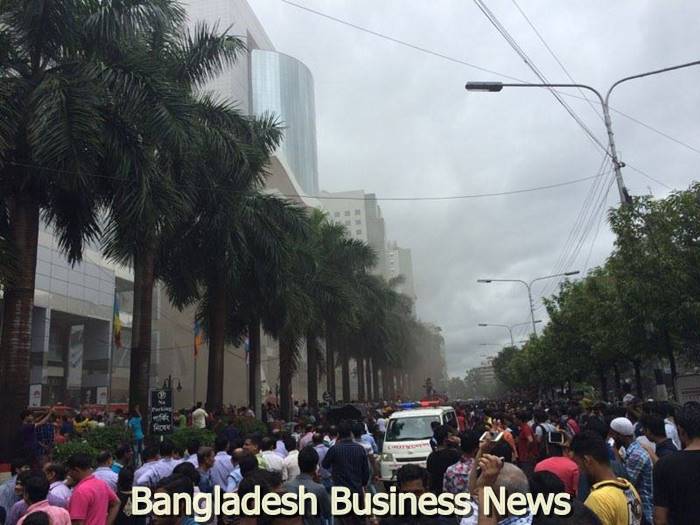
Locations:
(398, 122)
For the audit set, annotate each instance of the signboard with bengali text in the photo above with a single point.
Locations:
(161, 420)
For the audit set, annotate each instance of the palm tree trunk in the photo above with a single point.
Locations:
(142, 326)
(375, 381)
(254, 400)
(312, 371)
(671, 360)
(360, 379)
(637, 364)
(217, 341)
(286, 346)
(603, 383)
(388, 380)
(330, 362)
(368, 380)
(16, 338)
(616, 376)
(345, 370)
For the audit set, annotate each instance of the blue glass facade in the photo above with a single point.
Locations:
(285, 87)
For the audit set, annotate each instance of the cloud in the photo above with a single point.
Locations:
(398, 122)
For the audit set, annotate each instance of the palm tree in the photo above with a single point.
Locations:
(334, 263)
(55, 84)
(7, 259)
(154, 155)
(246, 239)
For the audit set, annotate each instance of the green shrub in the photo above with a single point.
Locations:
(182, 436)
(107, 438)
(249, 425)
(65, 450)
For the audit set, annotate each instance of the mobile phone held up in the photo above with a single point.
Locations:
(556, 438)
(495, 436)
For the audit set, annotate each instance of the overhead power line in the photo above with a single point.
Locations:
(491, 17)
(455, 60)
(335, 197)
(399, 41)
(556, 58)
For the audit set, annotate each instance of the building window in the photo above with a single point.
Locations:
(336, 214)
(358, 212)
(358, 232)
(347, 223)
(358, 222)
(347, 213)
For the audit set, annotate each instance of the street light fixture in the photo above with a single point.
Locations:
(168, 383)
(528, 285)
(509, 328)
(495, 87)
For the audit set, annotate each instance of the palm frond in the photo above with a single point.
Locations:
(204, 53)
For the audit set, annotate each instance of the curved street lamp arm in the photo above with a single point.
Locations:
(648, 74)
(580, 86)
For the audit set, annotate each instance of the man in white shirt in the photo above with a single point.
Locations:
(307, 437)
(670, 424)
(104, 470)
(275, 462)
(199, 417)
(145, 475)
(192, 448)
(222, 463)
(161, 468)
(59, 493)
(290, 466)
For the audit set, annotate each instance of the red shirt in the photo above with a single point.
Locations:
(563, 468)
(90, 501)
(527, 448)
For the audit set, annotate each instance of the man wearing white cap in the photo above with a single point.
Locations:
(637, 463)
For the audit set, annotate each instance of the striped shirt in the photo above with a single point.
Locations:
(639, 469)
(348, 464)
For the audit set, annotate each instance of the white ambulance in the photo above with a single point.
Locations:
(407, 437)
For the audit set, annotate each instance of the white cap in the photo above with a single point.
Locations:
(622, 426)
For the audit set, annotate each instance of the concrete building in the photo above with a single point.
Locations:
(485, 373)
(74, 355)
(400, 264)
(361, 215)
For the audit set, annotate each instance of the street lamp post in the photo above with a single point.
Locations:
(509, 328)
(528, 285)
(494, 87)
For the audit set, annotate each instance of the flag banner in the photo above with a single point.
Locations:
(117, 323)
(198, 337)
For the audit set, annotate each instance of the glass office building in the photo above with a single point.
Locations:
(283, 86)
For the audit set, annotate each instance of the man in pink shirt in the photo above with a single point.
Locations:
(92, 502)
(36, 490)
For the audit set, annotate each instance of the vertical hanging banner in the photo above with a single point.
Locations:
(35, 395)
(74, 378)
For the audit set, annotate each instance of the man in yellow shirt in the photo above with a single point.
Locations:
(614, 500)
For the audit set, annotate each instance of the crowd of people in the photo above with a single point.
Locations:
(631, 464)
